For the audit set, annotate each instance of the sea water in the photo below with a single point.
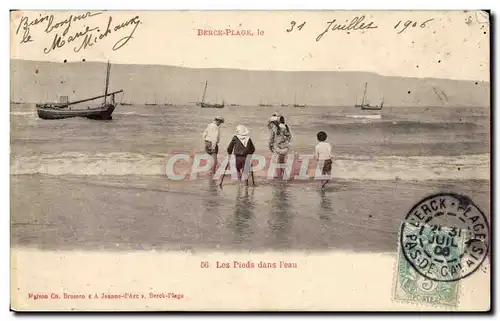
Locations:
(80, 183)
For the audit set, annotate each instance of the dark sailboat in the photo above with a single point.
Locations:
(294, 102)
(265, 105)
(150, 104)
(123, 103)
(166, 103)
(203, 104)
(64, 110)
(365, 105)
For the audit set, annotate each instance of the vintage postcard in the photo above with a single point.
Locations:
(250, 160)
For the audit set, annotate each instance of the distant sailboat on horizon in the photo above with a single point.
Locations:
(124, 103)
(203, 104)
(151, 104)
(364, 103)
(294, 102)
(166, 103)
(264, 105)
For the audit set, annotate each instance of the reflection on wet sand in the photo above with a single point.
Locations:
(280, 215)
(325, 205)
(243, 213)
(212, 201)
(139, 214)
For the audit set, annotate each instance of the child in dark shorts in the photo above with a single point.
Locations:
(323, 153)
(241, 146)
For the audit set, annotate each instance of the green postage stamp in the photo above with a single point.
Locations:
(410, 284)
(443, 239)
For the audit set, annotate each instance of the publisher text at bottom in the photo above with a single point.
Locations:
(106, 296)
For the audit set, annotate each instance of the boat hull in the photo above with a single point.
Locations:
(99, 113)
(368, 107)
(203, 105)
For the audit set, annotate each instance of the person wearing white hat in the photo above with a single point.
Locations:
(211, 136)
(274, 117)
(241, 146)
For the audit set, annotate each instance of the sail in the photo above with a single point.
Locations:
(108, 68)
(204, 92)
(364, 94)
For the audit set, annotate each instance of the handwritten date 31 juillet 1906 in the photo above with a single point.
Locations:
(358, 23)
(86, 35)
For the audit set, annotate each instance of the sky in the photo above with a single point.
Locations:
(451, 44)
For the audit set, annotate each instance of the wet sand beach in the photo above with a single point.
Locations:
(144, 213)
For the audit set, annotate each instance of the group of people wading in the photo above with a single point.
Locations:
(280, 139)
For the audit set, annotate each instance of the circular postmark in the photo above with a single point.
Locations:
(445, 237)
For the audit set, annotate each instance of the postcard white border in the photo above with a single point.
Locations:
(172, 5)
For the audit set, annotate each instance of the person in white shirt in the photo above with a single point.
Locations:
(211, 136)
(323, 153)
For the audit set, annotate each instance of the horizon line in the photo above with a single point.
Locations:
(250, 70)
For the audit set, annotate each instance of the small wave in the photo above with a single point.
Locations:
(129, 113)
(418, 168)
(126, 113)
(74, 163)
(378, 116)
(22, 113)
(403, 127)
